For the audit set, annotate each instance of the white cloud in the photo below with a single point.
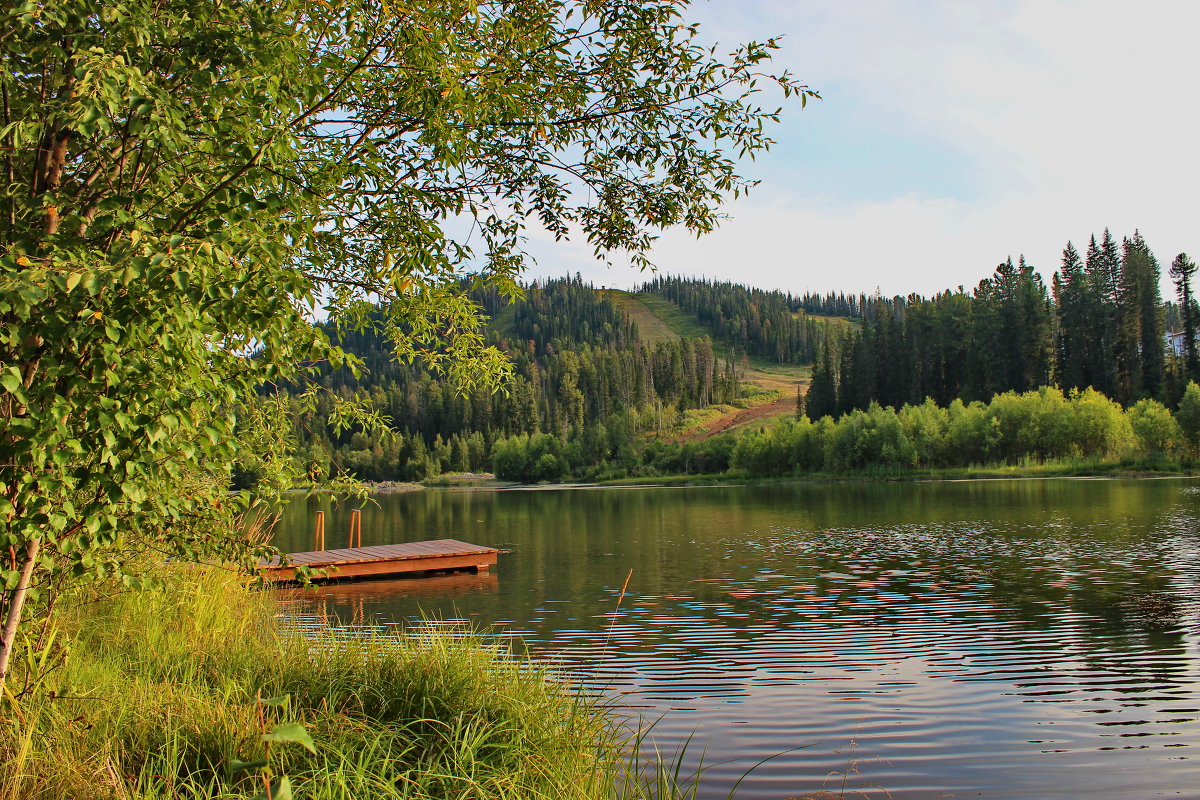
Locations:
(1071, 116)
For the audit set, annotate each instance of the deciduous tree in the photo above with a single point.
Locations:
(182, 184)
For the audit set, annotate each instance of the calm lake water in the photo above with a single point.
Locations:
(995, 639)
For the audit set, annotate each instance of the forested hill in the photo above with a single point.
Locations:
(586, 385)
(768, 324)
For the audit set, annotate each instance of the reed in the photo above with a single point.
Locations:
(166, 692)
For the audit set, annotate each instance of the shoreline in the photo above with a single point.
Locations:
(478, 482)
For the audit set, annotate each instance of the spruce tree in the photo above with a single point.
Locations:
(1152, 344)
(1129, 334)
(1181, 272)
(1110, 261)
(1100, 316)
(1070, 295)
(1141, 360)
(1034, 329)
(822, 397)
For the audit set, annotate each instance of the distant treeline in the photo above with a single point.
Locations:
(593, 455)
(768, 324)
(1101, 324)
(833, 304)
(560, 314)
(1012, 429)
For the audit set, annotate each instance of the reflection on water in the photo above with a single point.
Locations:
(335, 600)
(990, 639)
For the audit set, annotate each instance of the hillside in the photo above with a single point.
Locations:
(653, 326)
(605, 384)
(774, 385)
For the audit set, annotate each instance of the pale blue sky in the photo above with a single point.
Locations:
(952, 134)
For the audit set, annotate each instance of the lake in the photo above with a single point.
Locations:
(994, 639)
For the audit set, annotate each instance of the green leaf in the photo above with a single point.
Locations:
(275, 702)
(73, 280)
(280, 790)
(238, 766)
(290, 732)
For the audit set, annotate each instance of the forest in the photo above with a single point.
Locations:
(1101, 323)
(583, 380)
(768, 324)
(952, 380)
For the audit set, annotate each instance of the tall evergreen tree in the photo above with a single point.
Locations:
(1110, 262)
(1150, 309)
(1140, 345)
(1012, 330)
(1101, 268)
(1035, 329)
(1181, 272)
(822, 397)
(1129, 377)
(1071, 336)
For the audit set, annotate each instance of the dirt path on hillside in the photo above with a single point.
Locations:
(783, 407)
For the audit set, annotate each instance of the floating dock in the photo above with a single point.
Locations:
(436, 555)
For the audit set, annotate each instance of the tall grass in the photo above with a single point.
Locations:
(159, 695)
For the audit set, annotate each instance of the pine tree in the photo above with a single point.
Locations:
(822, 397)
(1070, 295)
(1100, 316)
(1181, 272)
(1034, 329)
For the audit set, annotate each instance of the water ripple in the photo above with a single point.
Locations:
(956, 640)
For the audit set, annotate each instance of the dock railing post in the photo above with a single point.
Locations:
(356, 527)
(319, 534)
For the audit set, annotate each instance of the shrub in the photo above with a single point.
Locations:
(1157, 431)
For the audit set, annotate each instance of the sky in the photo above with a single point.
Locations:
(950, 135)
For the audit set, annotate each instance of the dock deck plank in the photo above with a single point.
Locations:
(388, 559)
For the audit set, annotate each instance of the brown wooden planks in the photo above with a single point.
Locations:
(390, 559)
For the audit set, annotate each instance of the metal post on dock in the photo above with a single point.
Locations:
(355, 527)
(319, 534)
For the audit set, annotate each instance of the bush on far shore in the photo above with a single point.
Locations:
(1013, 429)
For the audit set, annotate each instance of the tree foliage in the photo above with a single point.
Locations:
(768, 324)
(581, 373)
(183, 184)
(1102, 325)
(1182, 270)
(1011, 428)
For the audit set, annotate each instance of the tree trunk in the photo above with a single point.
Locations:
(15, 604)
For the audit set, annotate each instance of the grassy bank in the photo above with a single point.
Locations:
(162, 692)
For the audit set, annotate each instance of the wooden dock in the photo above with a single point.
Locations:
(437, 555)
